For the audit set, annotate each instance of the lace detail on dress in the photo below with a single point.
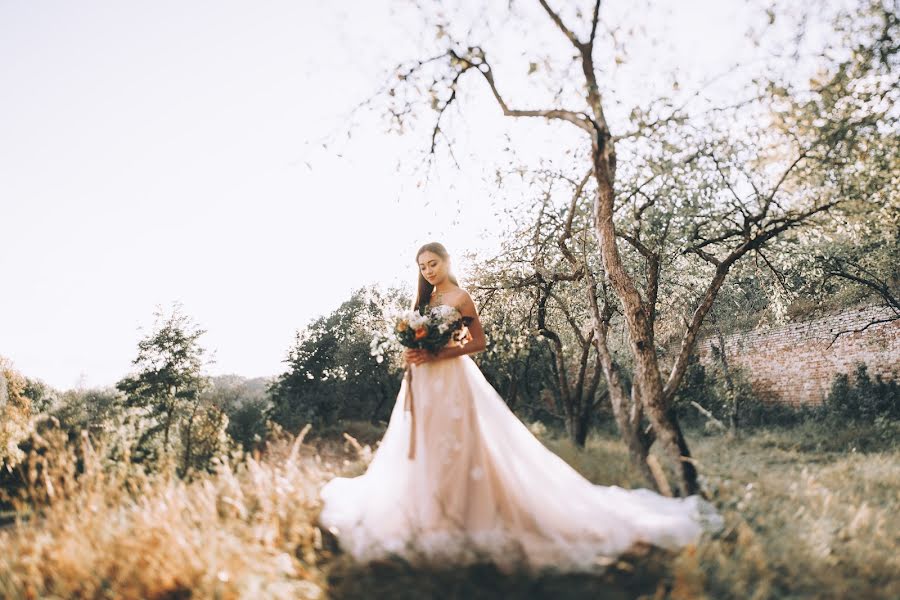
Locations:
(447, 447)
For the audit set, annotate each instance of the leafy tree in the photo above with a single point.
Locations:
(332, 374)
(42, 397)
(246, 403)
(164, 393)
(853, 253)
(94, 410)
(203, 436)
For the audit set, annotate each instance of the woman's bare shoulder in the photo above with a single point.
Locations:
(463, 302)
(459, 296)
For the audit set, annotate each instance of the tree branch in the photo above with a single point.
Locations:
(562, 26)
(578, 119)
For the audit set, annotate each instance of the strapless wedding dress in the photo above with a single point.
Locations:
(481, 487)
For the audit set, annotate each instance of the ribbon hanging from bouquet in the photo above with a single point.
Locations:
(410, 406)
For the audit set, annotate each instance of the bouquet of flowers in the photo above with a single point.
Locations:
(430, 329)
(433, 329)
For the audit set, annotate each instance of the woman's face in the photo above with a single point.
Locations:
(433, 267)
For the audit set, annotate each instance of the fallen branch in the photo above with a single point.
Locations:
(709, 416)
(659, 475)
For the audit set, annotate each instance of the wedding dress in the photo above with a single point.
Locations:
(481, 487)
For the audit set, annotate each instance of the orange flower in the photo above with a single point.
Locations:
(401, 326)
(420, 333)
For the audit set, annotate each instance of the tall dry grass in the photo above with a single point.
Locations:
(801, 523)
(112, 531)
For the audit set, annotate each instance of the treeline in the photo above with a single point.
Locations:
(169, 411)
(542, 357)
(228, 413)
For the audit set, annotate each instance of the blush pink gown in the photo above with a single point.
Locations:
(481, 487)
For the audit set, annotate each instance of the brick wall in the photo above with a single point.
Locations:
(794, 363)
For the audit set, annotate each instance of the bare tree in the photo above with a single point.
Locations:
(557, 300)
(649, 229)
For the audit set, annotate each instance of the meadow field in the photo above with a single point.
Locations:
(810, 513)
(227, 229)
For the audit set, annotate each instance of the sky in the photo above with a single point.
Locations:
(197, 151)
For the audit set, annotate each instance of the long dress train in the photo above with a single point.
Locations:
(482, 487)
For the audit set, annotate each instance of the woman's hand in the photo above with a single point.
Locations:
(416, 356)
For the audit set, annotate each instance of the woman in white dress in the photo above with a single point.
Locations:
(470, 483)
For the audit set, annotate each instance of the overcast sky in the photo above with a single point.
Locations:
(160, 151)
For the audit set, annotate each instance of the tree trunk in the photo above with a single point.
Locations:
(665, 424)
(512, 392)
(638, 442)
(628, 421)
(570, 426)
(729, 385)
(166, 428)
(640, 328)
(580, 426)
(188, 444)
(382, 398)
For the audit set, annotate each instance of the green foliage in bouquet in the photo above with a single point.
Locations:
(431, 329)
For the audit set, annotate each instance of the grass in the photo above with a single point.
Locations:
(805, 518)
(802, 523)
(245, 531)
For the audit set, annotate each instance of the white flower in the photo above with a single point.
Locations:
(416, 320)
(450, 313)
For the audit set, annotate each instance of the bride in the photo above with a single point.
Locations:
(458, 478)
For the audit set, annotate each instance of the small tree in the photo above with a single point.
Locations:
(518, 363)
(165, 391)
(541, 270)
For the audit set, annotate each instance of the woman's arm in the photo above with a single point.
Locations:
(477, 342)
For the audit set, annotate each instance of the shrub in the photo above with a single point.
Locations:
(724, 394)
(756, 413)
(863, 398)
(858, 399)
(15, 415)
